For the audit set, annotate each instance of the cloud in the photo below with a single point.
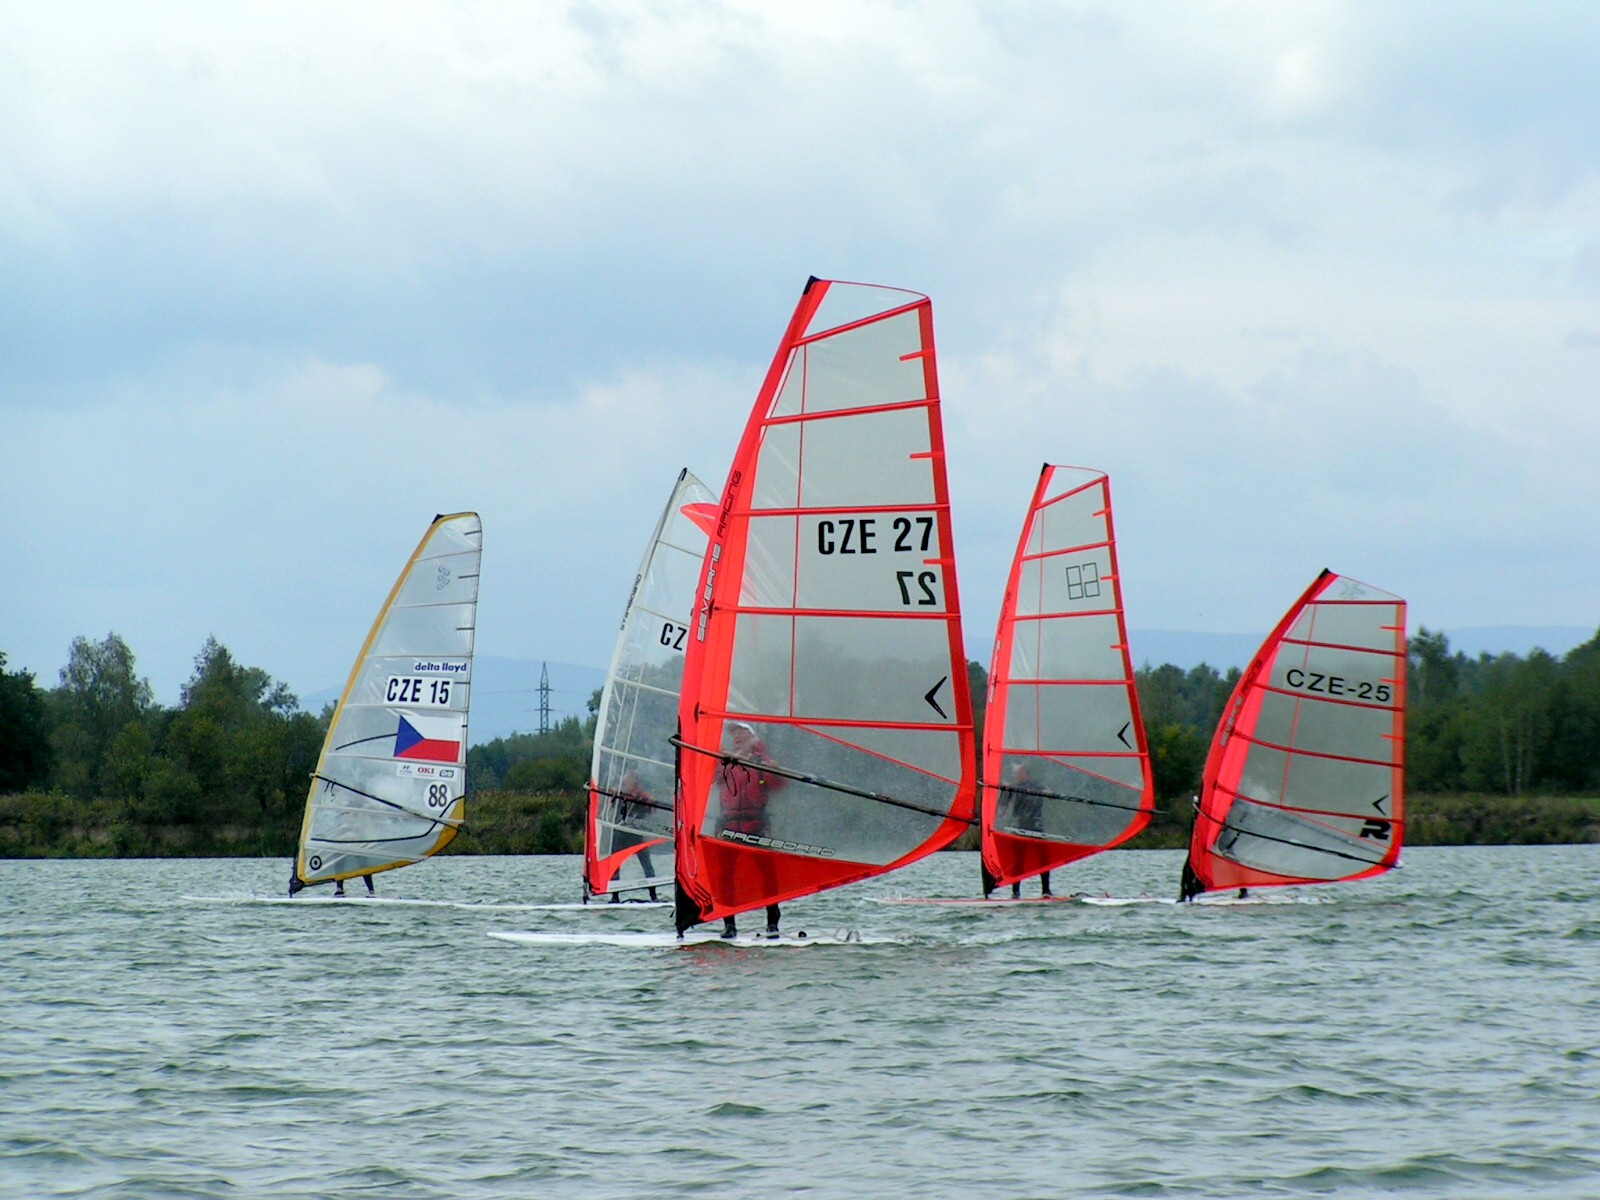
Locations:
(276, 516)
(1231, 497)
(281, 283)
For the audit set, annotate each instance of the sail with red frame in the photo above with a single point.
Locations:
(627, 843)
(825, 725)
(1066, 768)
(1305, 779)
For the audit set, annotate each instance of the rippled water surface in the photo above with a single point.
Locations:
(1435, 1033)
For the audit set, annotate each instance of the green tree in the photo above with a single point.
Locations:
(1192, 698)
(545, 775)
(1177, 758)
(172, 795)
(232, 736)
(489, 765)
(130, 760)
(24, 731)
(302, 744)
(1574, 752)
(1509, 724)
(99, 695)
(1433, 748)
(1433, 674)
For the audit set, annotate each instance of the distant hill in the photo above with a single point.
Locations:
(1518, 639)
(1187, 649)
(1153, 647)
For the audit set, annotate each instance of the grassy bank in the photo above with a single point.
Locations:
(53, 825)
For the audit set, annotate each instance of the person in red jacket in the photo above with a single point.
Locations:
(744, 788)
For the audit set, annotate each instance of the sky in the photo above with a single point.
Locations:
(1317, 284)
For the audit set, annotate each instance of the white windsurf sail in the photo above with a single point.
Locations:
(627, 843)
(390, 784)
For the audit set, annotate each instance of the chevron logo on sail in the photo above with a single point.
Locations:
(437, 739)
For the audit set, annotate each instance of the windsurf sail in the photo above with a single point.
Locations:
(825, 725)
(628, 836)
(390, 783)
(1066, 768)
(1305, 779)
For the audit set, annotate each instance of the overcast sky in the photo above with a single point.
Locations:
(1317, 284)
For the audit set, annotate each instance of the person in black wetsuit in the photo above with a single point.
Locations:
(296, 884)
(1026, 809)
(1189, 885)
(635, 807)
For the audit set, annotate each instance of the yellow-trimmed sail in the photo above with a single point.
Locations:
(390, 783)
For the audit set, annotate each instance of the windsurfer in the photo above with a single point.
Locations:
(745, 788)
(1189, 885)
(296, 884)
(634, 808)
(1026, 807)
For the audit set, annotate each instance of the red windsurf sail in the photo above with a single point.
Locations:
(1066, 769)
(825, 725)
(1305, 779)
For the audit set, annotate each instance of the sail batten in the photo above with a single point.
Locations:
(1302, 810)
(858, 411)
(825, 666)
(1046, 555)
(824, 613)
(1066, 770)
(1336, 700)
(389, 787)
(1287, 748)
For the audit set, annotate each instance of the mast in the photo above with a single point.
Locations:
(825, 725)
(1304, 782)
(1066, 767)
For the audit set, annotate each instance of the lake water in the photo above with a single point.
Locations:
(1434, 1033)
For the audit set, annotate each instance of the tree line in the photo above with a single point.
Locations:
(103, 769)
(1499, 748)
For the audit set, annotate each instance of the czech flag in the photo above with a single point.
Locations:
(437, 739)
